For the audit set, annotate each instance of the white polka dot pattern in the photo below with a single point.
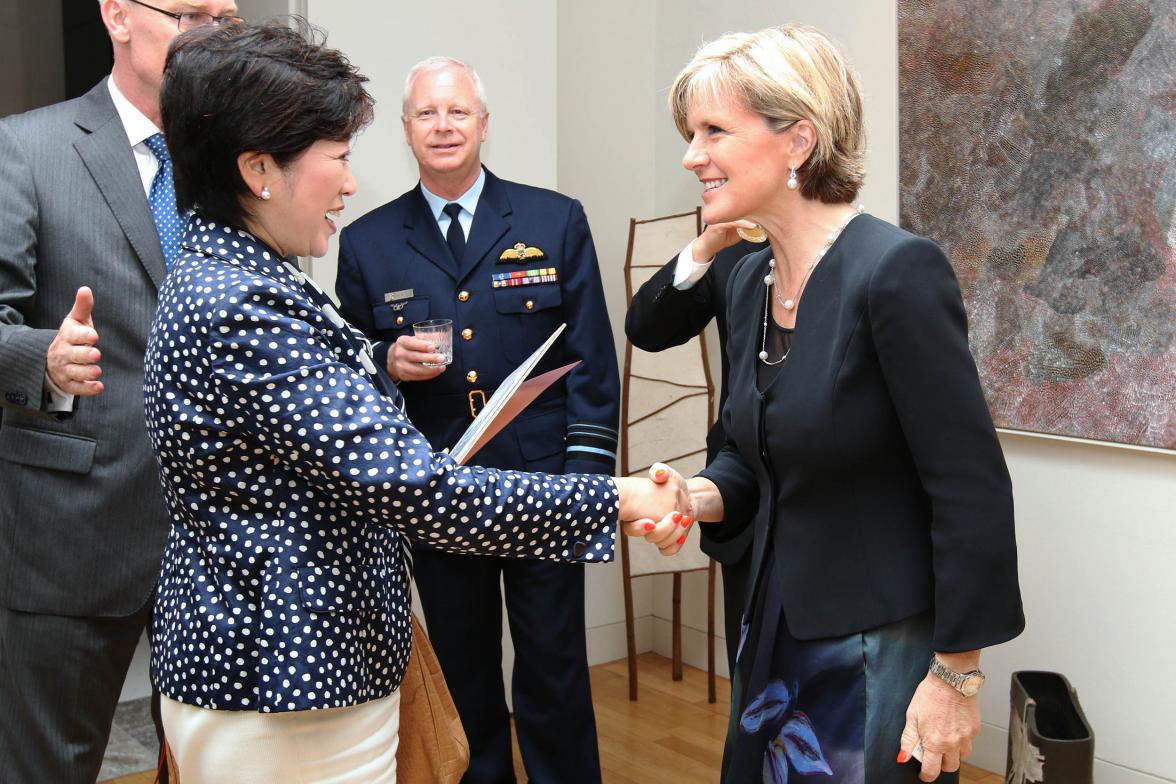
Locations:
(291, 484)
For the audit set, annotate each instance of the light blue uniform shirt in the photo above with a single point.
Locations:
(468, 202)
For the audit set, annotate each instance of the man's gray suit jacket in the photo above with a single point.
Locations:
(82, 523)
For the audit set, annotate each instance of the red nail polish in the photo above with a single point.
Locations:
(682, 541)
(660, 474)
(686, 521)
(677, 517)
(649, 526)
(903, 756)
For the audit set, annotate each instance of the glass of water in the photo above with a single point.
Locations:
(439, 332)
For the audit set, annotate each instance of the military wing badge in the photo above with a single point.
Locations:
(522, 253)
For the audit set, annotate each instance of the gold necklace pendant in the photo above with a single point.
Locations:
(756, 235)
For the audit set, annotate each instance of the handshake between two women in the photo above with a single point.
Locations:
(662, 508)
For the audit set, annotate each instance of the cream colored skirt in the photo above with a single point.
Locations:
(354, 745)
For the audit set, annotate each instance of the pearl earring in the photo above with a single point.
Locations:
(792, 183)
(265, 193)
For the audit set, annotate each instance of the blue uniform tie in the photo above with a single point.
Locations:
(454, 235)
(163, 202)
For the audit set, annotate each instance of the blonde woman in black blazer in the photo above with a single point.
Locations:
(859, 446)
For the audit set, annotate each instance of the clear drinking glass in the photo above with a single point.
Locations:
(439, 332)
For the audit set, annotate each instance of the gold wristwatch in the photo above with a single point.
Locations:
(966, 683)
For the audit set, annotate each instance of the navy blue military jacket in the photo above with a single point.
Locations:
(395, 269)
(293, 485)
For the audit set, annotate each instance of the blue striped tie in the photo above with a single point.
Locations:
(163, 202)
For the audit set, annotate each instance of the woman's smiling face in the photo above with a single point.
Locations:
(312, 192)
(740, 161)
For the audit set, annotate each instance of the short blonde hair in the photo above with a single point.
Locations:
(785, 74)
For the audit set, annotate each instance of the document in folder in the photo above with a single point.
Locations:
(515, 394)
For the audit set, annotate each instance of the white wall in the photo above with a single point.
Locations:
(866, 28)
(1095, 524)
(578, 103)
(1096, 542)
(869, 35)
(513, 47)
(511, 43)
(257, 10)
(605, 114)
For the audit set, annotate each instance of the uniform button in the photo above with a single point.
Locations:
(467, 334)
(472, 377)
(463, 296)
(529, 305)
(399, 321)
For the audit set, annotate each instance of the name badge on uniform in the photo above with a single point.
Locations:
(397, 296)
(521, 253)
(502, 280)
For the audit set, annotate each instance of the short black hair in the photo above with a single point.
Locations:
(266, 87)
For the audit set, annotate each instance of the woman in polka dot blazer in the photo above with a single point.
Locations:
(293, 478)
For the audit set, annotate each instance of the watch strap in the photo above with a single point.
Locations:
(957, 680)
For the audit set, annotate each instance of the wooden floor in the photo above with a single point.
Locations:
(669, 736)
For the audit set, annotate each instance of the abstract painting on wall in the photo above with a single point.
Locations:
(1039, 150)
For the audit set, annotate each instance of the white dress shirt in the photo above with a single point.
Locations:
(139, 129)
(687, 272)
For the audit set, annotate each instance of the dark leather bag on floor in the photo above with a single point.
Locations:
(433, 747)
(1050, 741)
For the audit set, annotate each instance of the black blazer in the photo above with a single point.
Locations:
(660, 317)
(871, 464)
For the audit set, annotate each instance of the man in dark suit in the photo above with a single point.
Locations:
(82, 523)
(669, 309)
(507, 263)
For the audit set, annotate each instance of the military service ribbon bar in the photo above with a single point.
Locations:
(501, 280)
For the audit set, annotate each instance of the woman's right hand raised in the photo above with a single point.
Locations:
(717, 237)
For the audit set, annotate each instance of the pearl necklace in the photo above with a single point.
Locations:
(790, 303)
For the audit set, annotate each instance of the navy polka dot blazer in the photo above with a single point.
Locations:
(293, 486)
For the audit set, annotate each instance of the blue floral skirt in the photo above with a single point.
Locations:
(831, 710)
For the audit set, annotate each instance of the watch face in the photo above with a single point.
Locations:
(971, 685)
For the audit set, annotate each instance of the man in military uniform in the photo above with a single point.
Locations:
(507, 263)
